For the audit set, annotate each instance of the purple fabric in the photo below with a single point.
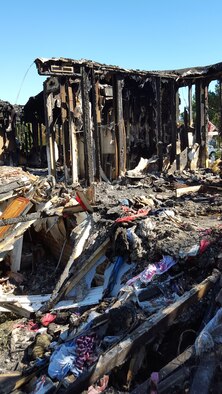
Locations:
(84, 350)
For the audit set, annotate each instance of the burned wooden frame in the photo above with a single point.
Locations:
(111, 117)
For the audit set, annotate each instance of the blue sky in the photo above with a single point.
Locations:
(138, 34)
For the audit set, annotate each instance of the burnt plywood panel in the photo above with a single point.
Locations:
(14, 209)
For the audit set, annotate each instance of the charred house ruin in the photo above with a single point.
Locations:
(118, 284)
(97, 121)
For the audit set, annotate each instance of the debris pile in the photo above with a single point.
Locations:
(115, 288)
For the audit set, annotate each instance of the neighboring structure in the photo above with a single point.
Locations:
(102, 119)
(8, 146)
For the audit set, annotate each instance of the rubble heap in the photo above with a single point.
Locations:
(115, 288)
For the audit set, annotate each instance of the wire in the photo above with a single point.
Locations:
(181, 339)
(23, 79)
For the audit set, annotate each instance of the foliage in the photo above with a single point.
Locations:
(214, 105)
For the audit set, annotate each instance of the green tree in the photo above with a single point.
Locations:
(214, 105)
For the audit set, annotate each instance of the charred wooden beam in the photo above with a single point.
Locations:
(44, 214)
(198, 112)
(159, 137)
(26, 140)
(159, 107)
(202, 119)
(119, 123)
(40, 142)
(25, 218)
(184, 132)
(166, 371)
(72, 134)
(16, 308)
(96, 121)
(176, 363)
(145, 333)
(88, 149)
(190, 105)
(174, 381)
(29, 135)
(173, 119)
(10, 383)
(64, 118)
(50, 149)
(177, 106)
(205, 127)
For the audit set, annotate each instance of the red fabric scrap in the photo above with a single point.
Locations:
(47, 319)
(203, 245)
(78, 199)
(140, 213)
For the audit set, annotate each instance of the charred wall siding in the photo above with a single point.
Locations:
(140, 117)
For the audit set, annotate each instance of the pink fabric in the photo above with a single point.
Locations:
(153, 269)
(47, 319)
(29, 326)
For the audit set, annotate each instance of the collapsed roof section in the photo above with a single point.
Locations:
(63, 66)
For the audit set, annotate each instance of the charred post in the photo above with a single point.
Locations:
(72, 135)
(64, 116)
(119, 123)
(205, 127)
(159, 138)
(87, 129)
(173, 119)
(95, 98)
(48, 99)
(201, 119)
(190, 104)
(198, 112)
